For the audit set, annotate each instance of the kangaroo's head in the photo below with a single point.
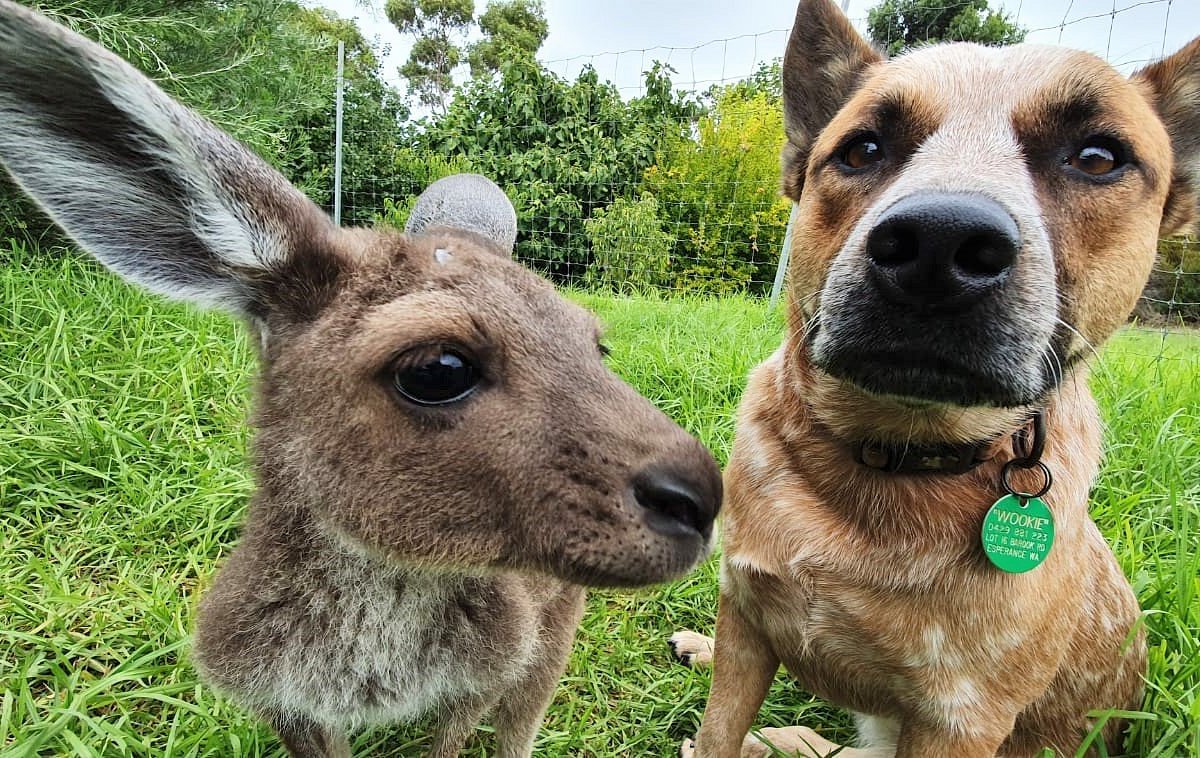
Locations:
(423, 397)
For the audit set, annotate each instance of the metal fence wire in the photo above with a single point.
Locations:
(707, 216)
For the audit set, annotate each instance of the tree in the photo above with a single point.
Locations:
(508, 26)
(561, 149)
(434, 55)
(897, 25)
(262, 70)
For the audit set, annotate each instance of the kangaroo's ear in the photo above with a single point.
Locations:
(822, 65)
(1173, 85)
(146, 185)
(467, 201)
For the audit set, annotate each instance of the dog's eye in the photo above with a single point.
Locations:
(1098, 156)
(604, 349)
(861, 151)
(435, 375)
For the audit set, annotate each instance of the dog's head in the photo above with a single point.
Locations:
(974, 220)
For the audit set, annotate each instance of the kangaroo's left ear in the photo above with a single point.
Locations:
(1173, 85)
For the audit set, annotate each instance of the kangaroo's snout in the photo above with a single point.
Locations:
(942, 251)
(679, 501)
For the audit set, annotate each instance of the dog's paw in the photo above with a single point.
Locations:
(691, 649)
(688, 748)
(799, 741)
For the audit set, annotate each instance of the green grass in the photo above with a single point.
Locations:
(123, 481)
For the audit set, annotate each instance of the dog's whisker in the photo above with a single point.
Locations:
(809, 325)
(1058, 363)
(1086, 342)
(1051, 370)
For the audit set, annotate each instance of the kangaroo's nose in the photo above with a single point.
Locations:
(679, 502)
(944, 251)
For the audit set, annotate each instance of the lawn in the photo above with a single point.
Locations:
(123, 481)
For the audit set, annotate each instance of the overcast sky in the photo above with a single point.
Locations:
(741, 33)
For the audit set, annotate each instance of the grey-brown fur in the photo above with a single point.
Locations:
(399, 560)
(466, 201)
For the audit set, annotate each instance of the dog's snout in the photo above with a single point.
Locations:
(942, 250)
(677, 502)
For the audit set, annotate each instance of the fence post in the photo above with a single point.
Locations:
(337, 139)
(784, 256)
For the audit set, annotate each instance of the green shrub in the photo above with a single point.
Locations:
(1173, 291)
(630, 250)
(410, 173)
(562, 148)
(719, 198)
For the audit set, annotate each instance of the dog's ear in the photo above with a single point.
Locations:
(824, 61)
(1173, 85)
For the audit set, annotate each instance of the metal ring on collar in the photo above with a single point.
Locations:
(1006, 472)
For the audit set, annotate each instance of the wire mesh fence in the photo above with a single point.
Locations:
(657, 168)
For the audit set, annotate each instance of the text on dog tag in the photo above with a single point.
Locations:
(1018, 536)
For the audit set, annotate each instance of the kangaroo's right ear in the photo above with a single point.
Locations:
(466, 201)
(824, 60)
(149, 187)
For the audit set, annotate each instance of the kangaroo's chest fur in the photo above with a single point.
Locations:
(351, 641)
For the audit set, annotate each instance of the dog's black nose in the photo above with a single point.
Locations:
(676, 503)
(942, 250)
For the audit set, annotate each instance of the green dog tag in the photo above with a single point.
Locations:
(1017, 536)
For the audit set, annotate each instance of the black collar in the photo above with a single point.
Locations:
(909, 458)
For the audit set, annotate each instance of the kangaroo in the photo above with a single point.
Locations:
(443, 459)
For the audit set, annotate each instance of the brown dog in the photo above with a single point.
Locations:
(972, 223)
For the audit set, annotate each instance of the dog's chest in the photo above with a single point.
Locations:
(372, 647)
(881, 652)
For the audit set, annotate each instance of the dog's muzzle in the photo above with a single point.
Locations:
(942, 251)
(941, 298)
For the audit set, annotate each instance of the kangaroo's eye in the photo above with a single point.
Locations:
(435, 376)
(860, 152)
(1098, 156)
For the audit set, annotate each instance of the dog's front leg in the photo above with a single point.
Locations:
(918, 740)
(743, 667)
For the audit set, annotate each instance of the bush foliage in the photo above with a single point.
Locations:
(562, 149)
(630, 250)
(665, 189)
(719, 195)
(1174, 289)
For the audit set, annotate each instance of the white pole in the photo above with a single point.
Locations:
(784, 256)
(337, 140)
